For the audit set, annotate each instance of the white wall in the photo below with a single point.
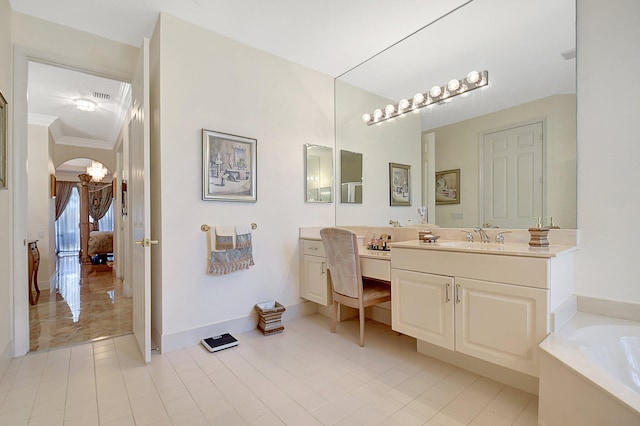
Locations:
(608, 149)
(6, 274)
(40, 200)
(457, 147)
(209, 81)
(394, 141)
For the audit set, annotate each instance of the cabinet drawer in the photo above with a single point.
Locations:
(313, 248)
(376, 268)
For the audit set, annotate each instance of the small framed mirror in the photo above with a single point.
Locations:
(350, 177)
(319, 172)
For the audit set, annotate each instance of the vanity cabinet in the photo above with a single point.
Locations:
(421, 306)
(470, 309)
(314, 285)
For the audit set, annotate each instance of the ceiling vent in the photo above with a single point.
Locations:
(102, 96)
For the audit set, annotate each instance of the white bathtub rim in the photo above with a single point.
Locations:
(560, 346)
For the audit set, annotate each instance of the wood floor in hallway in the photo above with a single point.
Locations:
(86, 304)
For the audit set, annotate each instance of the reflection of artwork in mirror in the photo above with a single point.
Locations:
(3, 142)
(319, 174)
(448, 187)
(229, 167)
(399, 184)
(350, 177)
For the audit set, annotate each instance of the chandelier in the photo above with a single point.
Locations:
(97, 171)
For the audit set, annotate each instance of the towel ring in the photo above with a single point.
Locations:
(205, 227)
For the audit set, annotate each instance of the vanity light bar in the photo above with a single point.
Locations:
(473, 80)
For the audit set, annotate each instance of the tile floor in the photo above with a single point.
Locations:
(303, 376)
(88, 303)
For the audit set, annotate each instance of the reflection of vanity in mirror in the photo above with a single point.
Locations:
(319, 172)
(516, 136)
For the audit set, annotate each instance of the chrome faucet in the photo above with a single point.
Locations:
(483, 235)
(500, 236)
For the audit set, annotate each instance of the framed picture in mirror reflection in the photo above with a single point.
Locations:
(399, 184)
(448, 187)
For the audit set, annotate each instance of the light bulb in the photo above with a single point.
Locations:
(366, 118)
(389, 109)
(453, 85)
(403, 104)
(377, 114)
(473, 77)
(418, 99)
(435, 91)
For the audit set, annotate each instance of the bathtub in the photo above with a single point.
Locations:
(590, 373)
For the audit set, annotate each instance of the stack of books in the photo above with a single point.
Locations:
(270, 317)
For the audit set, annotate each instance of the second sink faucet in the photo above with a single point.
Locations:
(483, 235)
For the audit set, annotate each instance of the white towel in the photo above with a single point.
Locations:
(243, 229)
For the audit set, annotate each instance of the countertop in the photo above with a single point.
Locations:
(506, 249)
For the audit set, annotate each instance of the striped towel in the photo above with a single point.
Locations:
(239, 256)
(225, 237)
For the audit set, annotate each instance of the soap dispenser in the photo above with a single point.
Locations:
(539, 235)
(552, 225)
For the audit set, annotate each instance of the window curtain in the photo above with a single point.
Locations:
(63, 194)
(99, 202)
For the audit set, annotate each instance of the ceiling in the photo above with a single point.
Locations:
(330, 36)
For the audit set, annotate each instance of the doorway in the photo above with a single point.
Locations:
(74, 114)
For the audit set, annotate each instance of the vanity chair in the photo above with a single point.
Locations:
(349, 289)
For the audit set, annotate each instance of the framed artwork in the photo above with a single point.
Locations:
(448, 187)
(228, 167)
(3, 142)
(399, 184)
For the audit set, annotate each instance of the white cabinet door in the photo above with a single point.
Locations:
(315, 284)
(422, 306)
(500, 323)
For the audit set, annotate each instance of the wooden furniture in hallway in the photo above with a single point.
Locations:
(34, 263)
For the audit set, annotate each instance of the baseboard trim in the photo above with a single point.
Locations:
(183, 339)
(609, 308)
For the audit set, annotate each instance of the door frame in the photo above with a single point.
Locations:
(19, 202)
(481, 137)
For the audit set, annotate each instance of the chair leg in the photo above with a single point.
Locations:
(361, 311)
(334, 320)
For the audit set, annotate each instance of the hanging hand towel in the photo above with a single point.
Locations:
(224, 237)
(222, 262)
(243, 236)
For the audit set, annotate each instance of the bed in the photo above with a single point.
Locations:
(100, 245)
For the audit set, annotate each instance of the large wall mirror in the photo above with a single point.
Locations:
(528, 49)
(319, 172)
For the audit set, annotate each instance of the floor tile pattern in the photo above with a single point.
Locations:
(87, 303)
(303, 376)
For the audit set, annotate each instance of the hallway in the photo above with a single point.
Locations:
(87, 304)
